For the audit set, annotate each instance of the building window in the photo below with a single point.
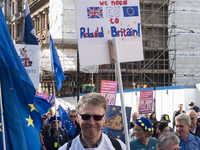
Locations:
(13, 8)
(44, 21)
(38, 24)
(19, 6)
(20, 31)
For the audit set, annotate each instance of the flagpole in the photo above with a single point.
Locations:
(53, 76)
(3, 129)
(121, 95)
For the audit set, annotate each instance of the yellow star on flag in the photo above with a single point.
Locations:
(123, 132)
(0, 126)
(30, 121)
(120, 111)
(113, 108)
(32, 107)
(118, 136)
(108, 32)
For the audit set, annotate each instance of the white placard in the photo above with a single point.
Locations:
(30, 57)
(100, 21)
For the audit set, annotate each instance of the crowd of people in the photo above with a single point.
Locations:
(145, 133)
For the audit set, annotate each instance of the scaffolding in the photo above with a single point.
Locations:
(154, 71)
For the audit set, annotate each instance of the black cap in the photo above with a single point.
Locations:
(44, 116)
(191, 104)
(165, 118)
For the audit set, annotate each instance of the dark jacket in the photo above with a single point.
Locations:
(50, 139)
(78, 130)
(197, 133)
(176, 113)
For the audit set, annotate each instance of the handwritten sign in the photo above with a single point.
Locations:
(99, 21)
(146, 102)
(109, 91)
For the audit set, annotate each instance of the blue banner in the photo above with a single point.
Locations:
(130, 11)
(114, 122)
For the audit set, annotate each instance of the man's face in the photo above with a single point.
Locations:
(134, 116)
(180, 107)
(53, 124)
(181, 129)
(73, 116)
(44, 121)
(91, 129)
(172, 146)
(193, 118)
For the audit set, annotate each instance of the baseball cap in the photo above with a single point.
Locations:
(43, 116)
(165, 118)
(191, 104)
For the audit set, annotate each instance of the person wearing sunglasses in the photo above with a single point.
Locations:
(72, 114)
(143, 131)
(92, 109)
(54, 138)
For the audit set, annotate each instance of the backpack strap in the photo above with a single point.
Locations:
(69, 144)
(115, 143)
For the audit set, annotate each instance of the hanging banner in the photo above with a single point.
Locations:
(109, 91)
(30, 57)
(146, 102)
(100, 21)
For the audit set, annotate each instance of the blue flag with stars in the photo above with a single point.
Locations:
(29, 31)
(114, 122)
(59, 74)
(22, 121)
(67, 124)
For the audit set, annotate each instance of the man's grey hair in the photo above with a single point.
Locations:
(184, 117)
(166, 139)
(94, 99)
(192, 111)
(71, 111)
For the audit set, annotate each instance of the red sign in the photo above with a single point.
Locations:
(146, 102)
(109, 91)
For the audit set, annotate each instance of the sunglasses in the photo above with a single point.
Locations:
(72, 116)
(95, 117)
(55, 122)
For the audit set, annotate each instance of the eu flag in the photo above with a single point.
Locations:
(29, 31)
(114, 122)
(22, 121)
(130, 11)
(41, 104)
(67, 124)
(56, 64)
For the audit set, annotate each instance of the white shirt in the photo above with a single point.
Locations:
(104, 145)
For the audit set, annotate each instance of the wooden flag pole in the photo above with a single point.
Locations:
(2, 119)
(121, 96)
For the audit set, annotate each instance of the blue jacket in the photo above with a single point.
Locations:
(192, 143)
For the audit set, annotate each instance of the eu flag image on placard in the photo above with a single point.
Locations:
(130, 11)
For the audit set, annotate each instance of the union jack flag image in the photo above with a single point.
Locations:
(94, 12)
